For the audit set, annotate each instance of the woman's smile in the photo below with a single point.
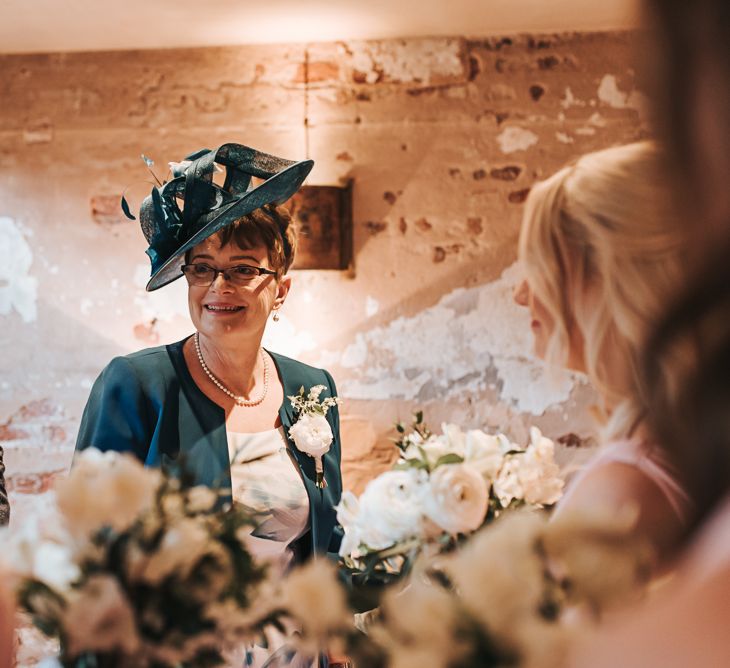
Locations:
(222, 308)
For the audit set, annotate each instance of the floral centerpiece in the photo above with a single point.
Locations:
(132, 568)
(442, 488)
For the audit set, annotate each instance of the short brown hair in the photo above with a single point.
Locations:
(270, 226)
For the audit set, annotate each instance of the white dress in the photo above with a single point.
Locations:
(266, 481)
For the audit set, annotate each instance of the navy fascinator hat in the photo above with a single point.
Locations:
(186, 210)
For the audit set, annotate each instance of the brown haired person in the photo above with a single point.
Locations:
(217, 401)
(686, 623)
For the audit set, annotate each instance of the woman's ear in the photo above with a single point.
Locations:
(282, 290)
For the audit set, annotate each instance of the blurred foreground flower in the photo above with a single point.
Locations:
(516, 593)
(130, 567)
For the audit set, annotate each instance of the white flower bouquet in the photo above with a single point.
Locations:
(132, 568)
(443, 487)
(516, 593)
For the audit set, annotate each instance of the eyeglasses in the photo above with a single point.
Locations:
(201, 274)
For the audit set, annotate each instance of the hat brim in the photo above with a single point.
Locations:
(276, 189)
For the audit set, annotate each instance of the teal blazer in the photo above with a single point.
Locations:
(147, 403)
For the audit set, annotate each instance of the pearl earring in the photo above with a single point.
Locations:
(276, 316)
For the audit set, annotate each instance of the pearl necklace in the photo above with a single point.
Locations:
(240, 401)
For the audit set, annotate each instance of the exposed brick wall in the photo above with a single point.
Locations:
(443, 139)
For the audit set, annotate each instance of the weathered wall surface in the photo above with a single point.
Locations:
(442, 137)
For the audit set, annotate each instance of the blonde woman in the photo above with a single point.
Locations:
(599, 256)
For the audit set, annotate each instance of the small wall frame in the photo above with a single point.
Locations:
(324, 214)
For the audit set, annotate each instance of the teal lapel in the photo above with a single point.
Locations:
(293, 376)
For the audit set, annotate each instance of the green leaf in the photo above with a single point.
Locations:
(411, 464)
(450, 458)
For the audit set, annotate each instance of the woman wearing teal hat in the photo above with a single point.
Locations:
(218, 402)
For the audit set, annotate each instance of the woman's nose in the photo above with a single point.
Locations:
(521, 293)
(221, 283)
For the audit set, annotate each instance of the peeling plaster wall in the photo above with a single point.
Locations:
(443, 138)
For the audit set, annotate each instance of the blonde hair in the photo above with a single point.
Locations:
(602, 255)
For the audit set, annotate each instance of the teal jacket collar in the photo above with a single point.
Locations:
(294, 375)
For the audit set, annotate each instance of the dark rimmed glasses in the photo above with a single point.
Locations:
(202, 275)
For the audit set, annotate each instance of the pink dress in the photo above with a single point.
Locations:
(646, 458)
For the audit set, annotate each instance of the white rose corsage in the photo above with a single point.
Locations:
(311, 432)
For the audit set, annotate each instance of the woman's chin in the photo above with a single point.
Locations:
(222, 324)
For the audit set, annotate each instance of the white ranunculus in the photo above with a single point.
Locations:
(484, 452)
(100, 619)
(456, 498)
(539, 474)
(507, 485)
(531, 475)
(455, 437)
(348, 512)
(390, 508)
(312, 434)
(436, 447)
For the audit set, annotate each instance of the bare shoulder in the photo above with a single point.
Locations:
(615, 483)
(613, 486)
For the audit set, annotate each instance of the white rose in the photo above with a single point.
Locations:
(390, 508)
(456, 498)
(484, 453)
(312, 434)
